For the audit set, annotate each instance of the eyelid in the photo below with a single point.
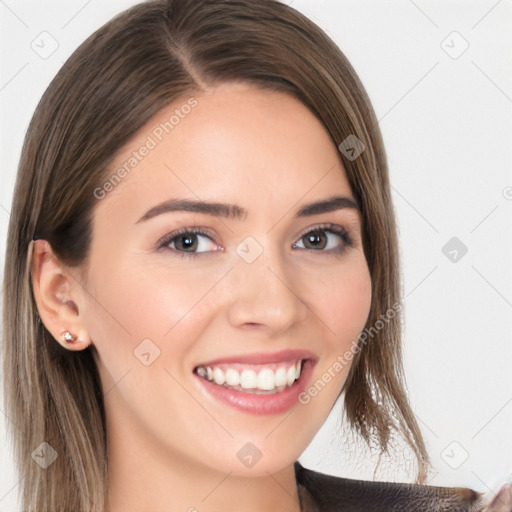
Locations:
(323, 226)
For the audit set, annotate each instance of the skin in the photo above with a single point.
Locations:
(171, 446)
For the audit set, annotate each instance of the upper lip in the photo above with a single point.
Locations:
(262, 358)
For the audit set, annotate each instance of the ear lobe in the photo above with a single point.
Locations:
(53, 287)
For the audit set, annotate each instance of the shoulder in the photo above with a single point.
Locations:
(330, 493)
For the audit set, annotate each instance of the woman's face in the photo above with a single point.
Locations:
(265, 283)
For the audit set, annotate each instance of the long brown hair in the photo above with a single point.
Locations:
(142, 60)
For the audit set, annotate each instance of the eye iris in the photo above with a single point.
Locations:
(187, 242)
(315, 239)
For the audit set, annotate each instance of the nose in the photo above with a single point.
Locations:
(265, 295)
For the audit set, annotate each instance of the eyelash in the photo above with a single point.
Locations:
(328, 228)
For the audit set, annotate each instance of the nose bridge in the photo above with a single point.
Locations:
(264, 290)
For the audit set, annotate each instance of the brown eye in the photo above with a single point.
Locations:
(327, 239)
(315, 240)
(186, 242)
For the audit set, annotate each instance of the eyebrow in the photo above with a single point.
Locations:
(234, 211)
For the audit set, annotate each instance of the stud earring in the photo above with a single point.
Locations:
(68, 337)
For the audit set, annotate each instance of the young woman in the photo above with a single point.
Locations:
(202, 258)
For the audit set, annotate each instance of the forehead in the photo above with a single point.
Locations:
(234, 141)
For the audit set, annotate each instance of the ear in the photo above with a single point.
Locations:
(57, 294)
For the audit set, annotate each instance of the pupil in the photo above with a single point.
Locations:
(315, 239)
(188, 241)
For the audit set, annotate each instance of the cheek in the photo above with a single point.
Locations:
(144, 296)
(135, 301)
(344, 307)
(343, 303)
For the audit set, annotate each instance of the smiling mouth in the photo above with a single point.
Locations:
(253, 378)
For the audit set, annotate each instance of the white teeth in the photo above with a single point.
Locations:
(280, 377)
(271, 380)
(248, 379)
(218, 376)
(290, 375)
(266, 379)
(232, 377)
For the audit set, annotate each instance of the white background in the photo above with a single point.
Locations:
(446, 124)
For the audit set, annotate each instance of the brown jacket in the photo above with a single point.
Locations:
(324, 493)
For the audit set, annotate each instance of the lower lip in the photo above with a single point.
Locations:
(261, 403)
